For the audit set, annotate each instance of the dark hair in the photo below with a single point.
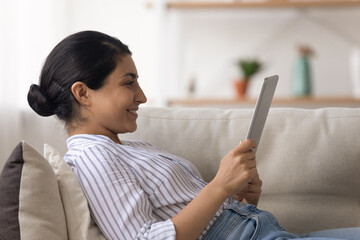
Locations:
(87, 57)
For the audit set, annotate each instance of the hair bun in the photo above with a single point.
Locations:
(38, 102)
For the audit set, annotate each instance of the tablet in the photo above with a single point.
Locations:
(262, 109)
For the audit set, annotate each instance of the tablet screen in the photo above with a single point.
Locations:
(262, 109)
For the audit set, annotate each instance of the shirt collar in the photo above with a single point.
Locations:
(79, 139)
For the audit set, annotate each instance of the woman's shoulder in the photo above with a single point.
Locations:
(94, 148)
(143, 146)
(86, 140)
(136, 143)
(90, 144)
(94, 143)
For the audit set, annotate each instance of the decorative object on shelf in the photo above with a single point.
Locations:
(191, 86)
(355, 71)
(247, 68)
(302, 81)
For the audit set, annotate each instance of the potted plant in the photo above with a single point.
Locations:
(247, 68)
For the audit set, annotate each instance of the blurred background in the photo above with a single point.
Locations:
(188, 53)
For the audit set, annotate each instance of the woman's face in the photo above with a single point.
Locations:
(113, 106)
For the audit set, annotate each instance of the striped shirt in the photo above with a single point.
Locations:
(133, 188)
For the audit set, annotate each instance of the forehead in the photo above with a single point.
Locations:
(125, 65)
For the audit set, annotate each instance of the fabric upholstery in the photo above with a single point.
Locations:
(309, 160)
(80, 225)
(9, 195)
(30, 203)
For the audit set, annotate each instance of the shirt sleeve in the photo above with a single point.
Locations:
(119, 205)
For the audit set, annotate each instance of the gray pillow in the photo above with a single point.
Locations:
(30, 202)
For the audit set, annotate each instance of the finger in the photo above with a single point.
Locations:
(251, 154)
(245, 146)
(249, 167)
(249, 163)
(249, 173)
(238, 196)
(251, 189)
(244, 201)
(245, 157)
(256, 179)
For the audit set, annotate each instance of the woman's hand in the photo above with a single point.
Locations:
(251, 194)
(237, 169)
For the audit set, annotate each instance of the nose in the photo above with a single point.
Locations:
(140, 96)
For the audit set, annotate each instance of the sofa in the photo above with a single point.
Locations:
(309, 161)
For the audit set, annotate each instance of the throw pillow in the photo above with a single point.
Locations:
(30, 203)
(79, 222)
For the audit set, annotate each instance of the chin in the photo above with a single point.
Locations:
(132, 129)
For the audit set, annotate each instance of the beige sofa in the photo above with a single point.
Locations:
(309, 161)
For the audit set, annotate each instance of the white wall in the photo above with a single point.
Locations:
(130, 21)
(30, 29)
(28, 32)
(200, 43)
(203, 43)
(209, 41)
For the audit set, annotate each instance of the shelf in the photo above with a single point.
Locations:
(262, 4)
(299, 6)
(306, 102)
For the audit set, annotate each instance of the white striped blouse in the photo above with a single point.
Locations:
(133, 188)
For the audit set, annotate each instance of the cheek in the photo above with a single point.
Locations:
(114, 104)
(123, 102)
(126, 98)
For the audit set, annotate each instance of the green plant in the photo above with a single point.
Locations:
(249, 67)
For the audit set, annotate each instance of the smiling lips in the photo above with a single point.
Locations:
(133, 112)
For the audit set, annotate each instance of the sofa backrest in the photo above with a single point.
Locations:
(309, 160)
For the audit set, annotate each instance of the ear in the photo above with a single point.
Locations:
(81, 93)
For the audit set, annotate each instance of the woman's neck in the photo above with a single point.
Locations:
(79, 130)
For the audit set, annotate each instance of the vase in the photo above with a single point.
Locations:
(301, 85)
(241, 87)
(355, 71)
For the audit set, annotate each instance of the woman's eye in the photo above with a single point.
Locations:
(131, 83)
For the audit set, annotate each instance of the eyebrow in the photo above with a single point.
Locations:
(132, 75)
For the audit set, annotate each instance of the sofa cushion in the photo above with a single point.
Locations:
(80, 225)
(309, 160)
(30, 203)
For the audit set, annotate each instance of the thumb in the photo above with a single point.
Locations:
(244, 201)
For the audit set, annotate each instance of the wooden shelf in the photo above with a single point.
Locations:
(167, 5)
(262, 4)
(308, 102)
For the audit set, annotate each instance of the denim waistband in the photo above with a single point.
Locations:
(246, 222)
(243, 209)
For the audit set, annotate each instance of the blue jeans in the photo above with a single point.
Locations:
(246, 222)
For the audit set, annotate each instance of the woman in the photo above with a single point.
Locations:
(134, 189)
